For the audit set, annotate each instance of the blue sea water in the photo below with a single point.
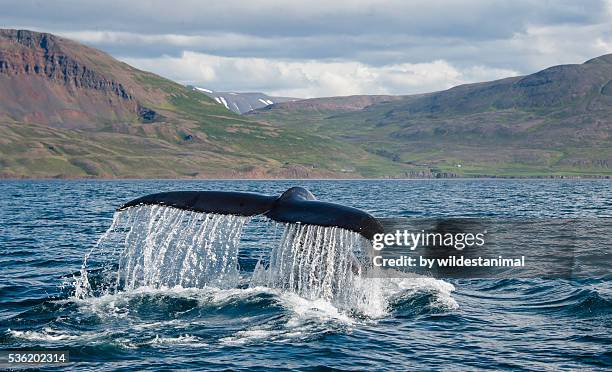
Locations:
(47, 228)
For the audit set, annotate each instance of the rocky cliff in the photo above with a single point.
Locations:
(44, 81)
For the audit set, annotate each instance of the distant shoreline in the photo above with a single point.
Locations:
(462, 178)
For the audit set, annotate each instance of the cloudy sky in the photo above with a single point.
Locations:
(321, 47)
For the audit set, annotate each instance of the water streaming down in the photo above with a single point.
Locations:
(318, 262)
(158, 246)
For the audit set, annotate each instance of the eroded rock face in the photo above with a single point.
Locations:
(44, 80)
(41, 55)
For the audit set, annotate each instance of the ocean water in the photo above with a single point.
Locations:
(238, 316)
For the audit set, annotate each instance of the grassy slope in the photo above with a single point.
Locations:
(467, 126)
(478, 155)
(193, 137)
(247, 139)
(197, 138)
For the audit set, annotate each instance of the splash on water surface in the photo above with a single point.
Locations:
(164, 247)
(271, 315)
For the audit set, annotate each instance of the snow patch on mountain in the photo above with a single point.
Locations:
(241, 103)
(224, 102)
(203, 90)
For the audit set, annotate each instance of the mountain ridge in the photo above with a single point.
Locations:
(71, 111)
(555, 121)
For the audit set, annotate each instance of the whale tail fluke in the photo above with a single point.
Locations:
(296, 205)
(218, 202)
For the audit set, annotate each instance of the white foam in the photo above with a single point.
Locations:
(305, 318)
(46, 335)
(158, 325)
(411, 284)
(185, 340)
(313, 309)
(243, 337)
(204, 90)
(219, 296)
(302, 317)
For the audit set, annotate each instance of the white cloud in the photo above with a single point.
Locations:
(322, 47)
(312, 78)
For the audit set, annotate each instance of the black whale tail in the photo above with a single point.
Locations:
(296, 205)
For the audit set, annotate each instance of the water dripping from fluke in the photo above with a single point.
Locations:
(192, 240)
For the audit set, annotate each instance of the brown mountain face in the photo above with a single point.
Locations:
(68, 110)
(51, 80)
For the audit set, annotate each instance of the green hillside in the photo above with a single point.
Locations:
(71, 111)
(109, 119)
(557, 122)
